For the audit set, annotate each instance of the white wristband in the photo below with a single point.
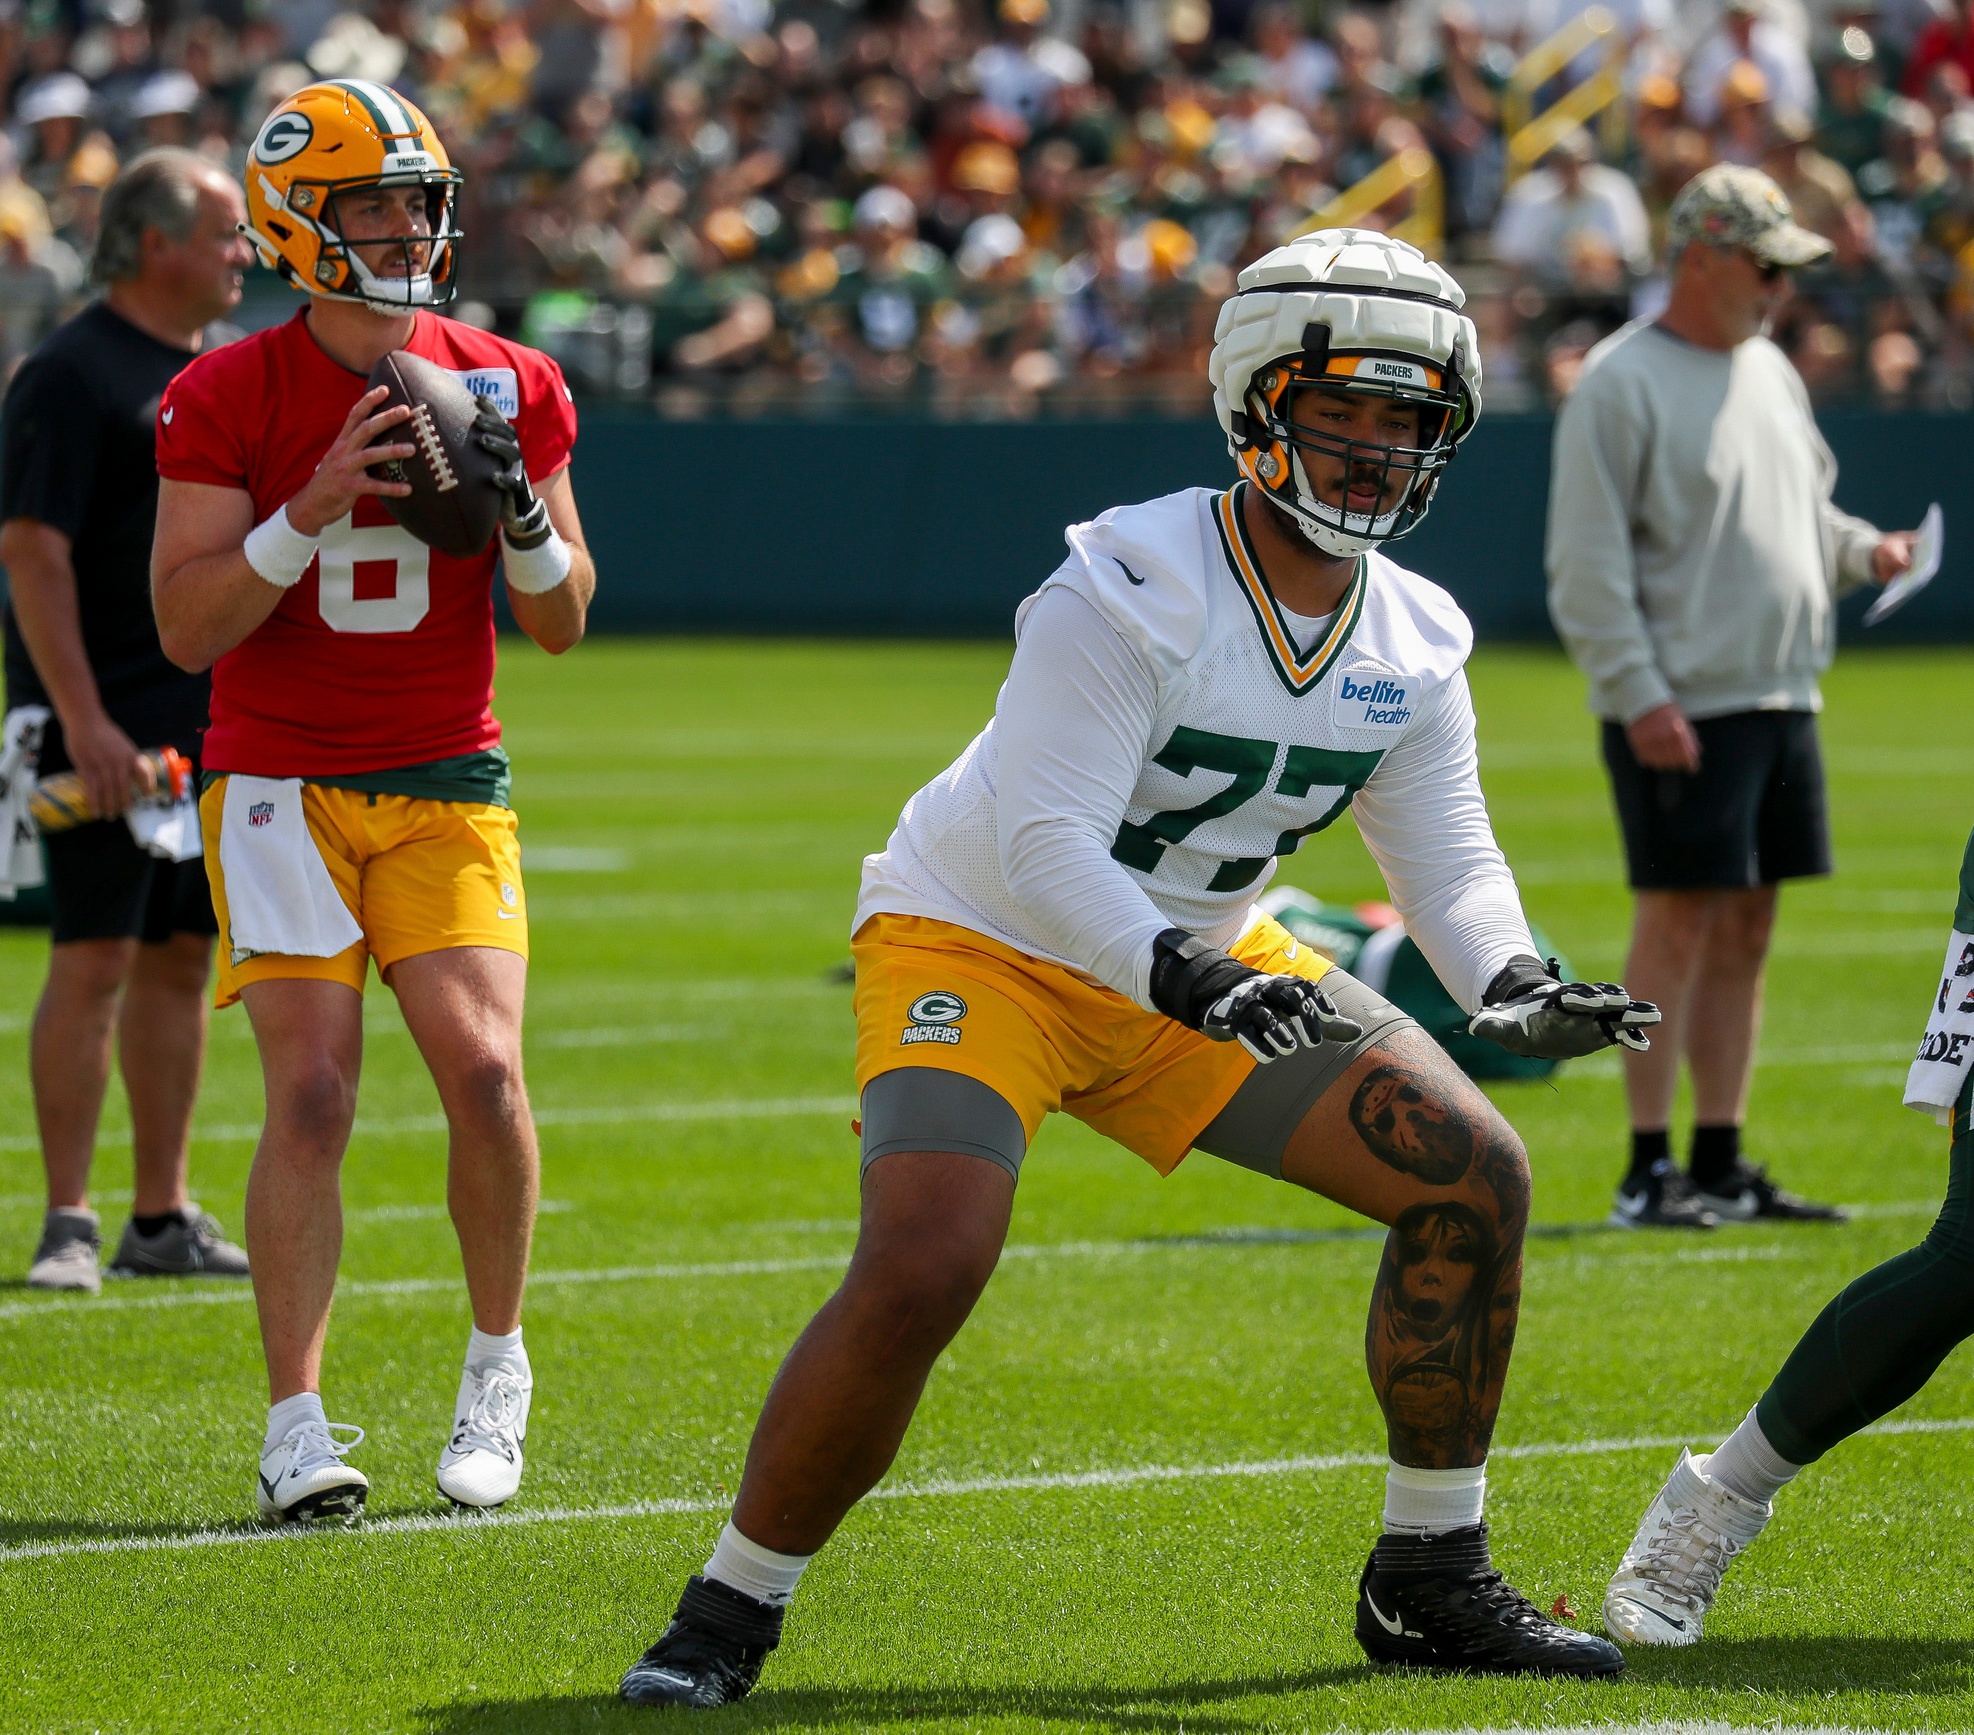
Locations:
(278, 551)
(534, 570)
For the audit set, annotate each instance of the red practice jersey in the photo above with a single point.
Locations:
(382, 655)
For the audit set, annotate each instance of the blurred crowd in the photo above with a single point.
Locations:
(993, 206)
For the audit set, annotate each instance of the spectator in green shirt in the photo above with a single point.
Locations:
(1850, 125)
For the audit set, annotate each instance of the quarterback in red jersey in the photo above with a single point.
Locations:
(357, 799)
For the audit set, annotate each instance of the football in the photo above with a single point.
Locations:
(453, 505)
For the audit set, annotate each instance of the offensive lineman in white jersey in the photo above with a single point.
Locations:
(1064, 919)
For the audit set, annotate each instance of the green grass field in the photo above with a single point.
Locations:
(1142, 1484)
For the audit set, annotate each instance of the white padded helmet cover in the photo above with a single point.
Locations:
(1333, 278)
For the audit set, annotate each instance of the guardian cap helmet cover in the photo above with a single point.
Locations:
(1345, 311)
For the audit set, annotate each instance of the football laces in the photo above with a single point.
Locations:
(425, 432)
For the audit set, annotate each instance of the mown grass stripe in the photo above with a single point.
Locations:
(456, 1525)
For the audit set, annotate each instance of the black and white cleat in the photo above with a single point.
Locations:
(1436, 1602)
(712, 1652)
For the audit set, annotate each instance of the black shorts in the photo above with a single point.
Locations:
(1754, 812)
(103, 887)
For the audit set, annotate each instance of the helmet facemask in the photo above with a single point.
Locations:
(1281, 451)
(428, 279)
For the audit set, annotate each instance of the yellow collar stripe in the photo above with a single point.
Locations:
(1299, 673)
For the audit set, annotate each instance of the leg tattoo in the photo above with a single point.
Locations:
(1406, 1124)
(1448, 1292)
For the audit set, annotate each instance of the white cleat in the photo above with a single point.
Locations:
(481, 1465)
(1671, 1573)
(303, 1479)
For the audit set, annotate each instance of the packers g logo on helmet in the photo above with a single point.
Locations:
(330, 140)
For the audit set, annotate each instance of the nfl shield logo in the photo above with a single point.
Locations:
(261, 813)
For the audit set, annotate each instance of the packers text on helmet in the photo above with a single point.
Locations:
(1356, 314)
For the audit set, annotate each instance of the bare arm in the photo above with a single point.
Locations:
(206, 596)
(45, 606)
(554, 618)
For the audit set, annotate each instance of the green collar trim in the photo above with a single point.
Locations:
(1298, 672)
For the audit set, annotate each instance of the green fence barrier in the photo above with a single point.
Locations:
(912, 527)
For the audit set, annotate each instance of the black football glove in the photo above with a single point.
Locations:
(1527, 1011)
(523, 518)
(1225, 1000)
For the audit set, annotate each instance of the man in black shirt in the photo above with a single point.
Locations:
(78, 497)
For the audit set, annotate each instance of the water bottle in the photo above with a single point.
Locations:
(62, 801)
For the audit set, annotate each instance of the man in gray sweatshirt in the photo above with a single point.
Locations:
(1694, 559)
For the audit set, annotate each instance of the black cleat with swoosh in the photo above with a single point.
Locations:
(712, 1652)
(1437, 1602)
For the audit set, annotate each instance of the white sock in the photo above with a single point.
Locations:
(483, 1350)
(760, 1572)
(1432, 1502)
(302, 1407)
(1748, 1465)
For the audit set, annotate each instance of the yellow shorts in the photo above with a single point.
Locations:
(931, 993)
(416, 875)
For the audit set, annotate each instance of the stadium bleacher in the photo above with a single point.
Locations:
(1000, 207)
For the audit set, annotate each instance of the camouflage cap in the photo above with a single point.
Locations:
(1731, 206)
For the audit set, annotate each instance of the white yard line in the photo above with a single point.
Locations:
(437, 1213)
(80, 1310)
(625, 1035)
(218, 1297)
(935, 1488)
(351, 1213)
(624, 1114)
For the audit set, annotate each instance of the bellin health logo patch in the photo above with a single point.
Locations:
(1371, 699)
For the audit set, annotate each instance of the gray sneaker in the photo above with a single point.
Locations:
(71, 1241)
(190, 1245)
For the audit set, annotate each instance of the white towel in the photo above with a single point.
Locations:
(20, 841)
(279, 896)
(1939, 1074)
(168, 830)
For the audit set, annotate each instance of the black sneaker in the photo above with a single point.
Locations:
(189, 1244)
(1435, 1602)
(712, 1652)
(1746, 1193)
(1662, 1198)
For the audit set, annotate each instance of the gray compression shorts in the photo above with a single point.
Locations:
(1254, 1128)
(926, 1108)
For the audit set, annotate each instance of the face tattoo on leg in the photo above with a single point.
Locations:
(1427, 1341)
(1448, 1293)
(1407, 1126)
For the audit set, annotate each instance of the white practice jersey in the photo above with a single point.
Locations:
(1162, 738)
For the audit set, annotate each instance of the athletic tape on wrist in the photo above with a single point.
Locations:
(534, 570)
(278, 551)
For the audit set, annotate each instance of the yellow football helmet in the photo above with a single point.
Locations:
(326, 141)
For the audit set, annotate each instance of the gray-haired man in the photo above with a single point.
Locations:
(1694, 561)
(132, 932)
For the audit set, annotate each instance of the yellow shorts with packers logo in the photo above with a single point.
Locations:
(416, 876)
(932, 993)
